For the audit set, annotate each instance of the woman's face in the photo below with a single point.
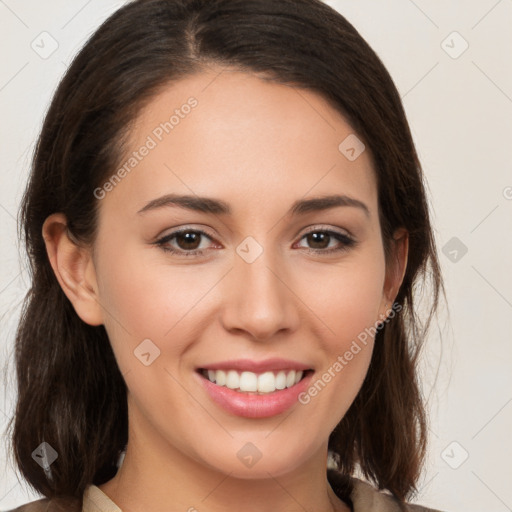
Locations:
(276, 283)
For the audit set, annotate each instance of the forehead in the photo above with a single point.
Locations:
(233, 135)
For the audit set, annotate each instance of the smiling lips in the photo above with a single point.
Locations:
(255, 389)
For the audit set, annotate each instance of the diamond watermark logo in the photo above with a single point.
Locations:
(45, 45)
(45, 455)
(454, 45)
(249, 455)
(351, 147)
(249, 250)
(454, 455)
(147, 352)
(454, 250)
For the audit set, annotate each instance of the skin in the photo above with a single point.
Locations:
(258, 146)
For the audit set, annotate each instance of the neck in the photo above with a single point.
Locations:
(157, 477)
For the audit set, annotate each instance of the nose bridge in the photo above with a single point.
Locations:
(258, 299)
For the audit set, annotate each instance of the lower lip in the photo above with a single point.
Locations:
(255, 406)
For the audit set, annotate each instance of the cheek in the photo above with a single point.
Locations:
(347, 301)
(141, 300)
(346, 297)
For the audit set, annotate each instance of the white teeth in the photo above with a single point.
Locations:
(232, 380)
(290, 379)
(248, 381)
(266, 382)
(280, 380)
(220, 377)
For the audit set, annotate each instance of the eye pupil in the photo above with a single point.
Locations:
(189, 238)
(320, 238)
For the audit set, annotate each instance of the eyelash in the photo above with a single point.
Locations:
(346, 241)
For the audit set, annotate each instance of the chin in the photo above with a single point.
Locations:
(258, 460)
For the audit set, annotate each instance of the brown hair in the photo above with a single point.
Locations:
(71, 393)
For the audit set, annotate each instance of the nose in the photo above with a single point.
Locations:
(259, 300)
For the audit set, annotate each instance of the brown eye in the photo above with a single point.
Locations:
(185, 242)
(188, 240)
(321, 241)
(318, 240)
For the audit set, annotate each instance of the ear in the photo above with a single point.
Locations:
(395, 269)
(74, 269)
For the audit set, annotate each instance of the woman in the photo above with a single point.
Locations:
(225, 219)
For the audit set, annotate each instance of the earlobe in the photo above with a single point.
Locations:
(73, 268)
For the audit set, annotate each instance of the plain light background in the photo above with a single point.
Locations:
(451, 62)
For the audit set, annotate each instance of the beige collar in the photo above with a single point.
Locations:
(365, 498)
(95, 500)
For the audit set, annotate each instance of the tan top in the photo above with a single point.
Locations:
(365, 498)
(95, 500)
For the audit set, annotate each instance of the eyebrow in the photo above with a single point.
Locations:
(219, 207)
